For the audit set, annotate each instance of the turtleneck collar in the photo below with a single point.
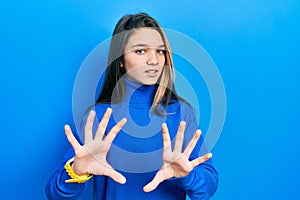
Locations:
(137, 93)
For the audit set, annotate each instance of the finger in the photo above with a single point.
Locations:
(201, 159)
(166, 138)
(179, 138)
(152, 185)
(115, 130)
(116, 176)
(103, 124)
(88, 131)
(190, 147)
(71, 138)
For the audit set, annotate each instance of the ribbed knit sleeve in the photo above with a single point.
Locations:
(56, 187)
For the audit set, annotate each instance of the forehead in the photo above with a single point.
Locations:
(146, 36)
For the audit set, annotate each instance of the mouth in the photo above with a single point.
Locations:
(151, 72)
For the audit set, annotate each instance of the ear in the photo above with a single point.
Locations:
(121, 61)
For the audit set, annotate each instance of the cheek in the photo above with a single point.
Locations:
(134, 61)
(162, 58)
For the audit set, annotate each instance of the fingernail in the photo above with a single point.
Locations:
(123, 181)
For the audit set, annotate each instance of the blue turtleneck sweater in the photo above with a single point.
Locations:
(136, 152)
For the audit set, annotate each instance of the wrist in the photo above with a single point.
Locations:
(78, 167)
(75, 178)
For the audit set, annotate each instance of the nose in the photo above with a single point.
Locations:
(152, 58)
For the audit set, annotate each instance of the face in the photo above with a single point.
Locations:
(144, 56)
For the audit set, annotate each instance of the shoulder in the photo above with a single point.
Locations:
(98, 108)
(101, 108)
(180, 106)
(183, 111)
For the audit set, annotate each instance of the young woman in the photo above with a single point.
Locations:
(149, 146)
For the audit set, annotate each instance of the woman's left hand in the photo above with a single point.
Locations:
(176, 163)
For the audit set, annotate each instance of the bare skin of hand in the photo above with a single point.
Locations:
(176, 163)
(91, 157)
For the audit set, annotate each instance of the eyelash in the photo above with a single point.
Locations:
(159, 51)
(140, 51)
(162, 51)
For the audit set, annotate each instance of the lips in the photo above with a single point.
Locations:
(151, 72)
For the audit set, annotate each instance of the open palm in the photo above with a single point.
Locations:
(176, 163)
(91, 157)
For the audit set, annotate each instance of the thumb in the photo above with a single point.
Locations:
(116, 176)
(152, 185)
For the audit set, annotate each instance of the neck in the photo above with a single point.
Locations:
(138, 93)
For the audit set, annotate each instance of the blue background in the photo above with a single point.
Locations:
(254, 43)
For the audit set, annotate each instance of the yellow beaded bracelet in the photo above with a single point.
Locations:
(74, 177)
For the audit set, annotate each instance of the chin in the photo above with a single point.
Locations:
(152, 82)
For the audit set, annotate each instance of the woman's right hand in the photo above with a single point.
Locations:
(91, 157)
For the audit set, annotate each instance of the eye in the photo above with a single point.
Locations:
(161, 51)
(140, 51)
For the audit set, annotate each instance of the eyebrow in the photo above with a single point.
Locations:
(146, 45)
